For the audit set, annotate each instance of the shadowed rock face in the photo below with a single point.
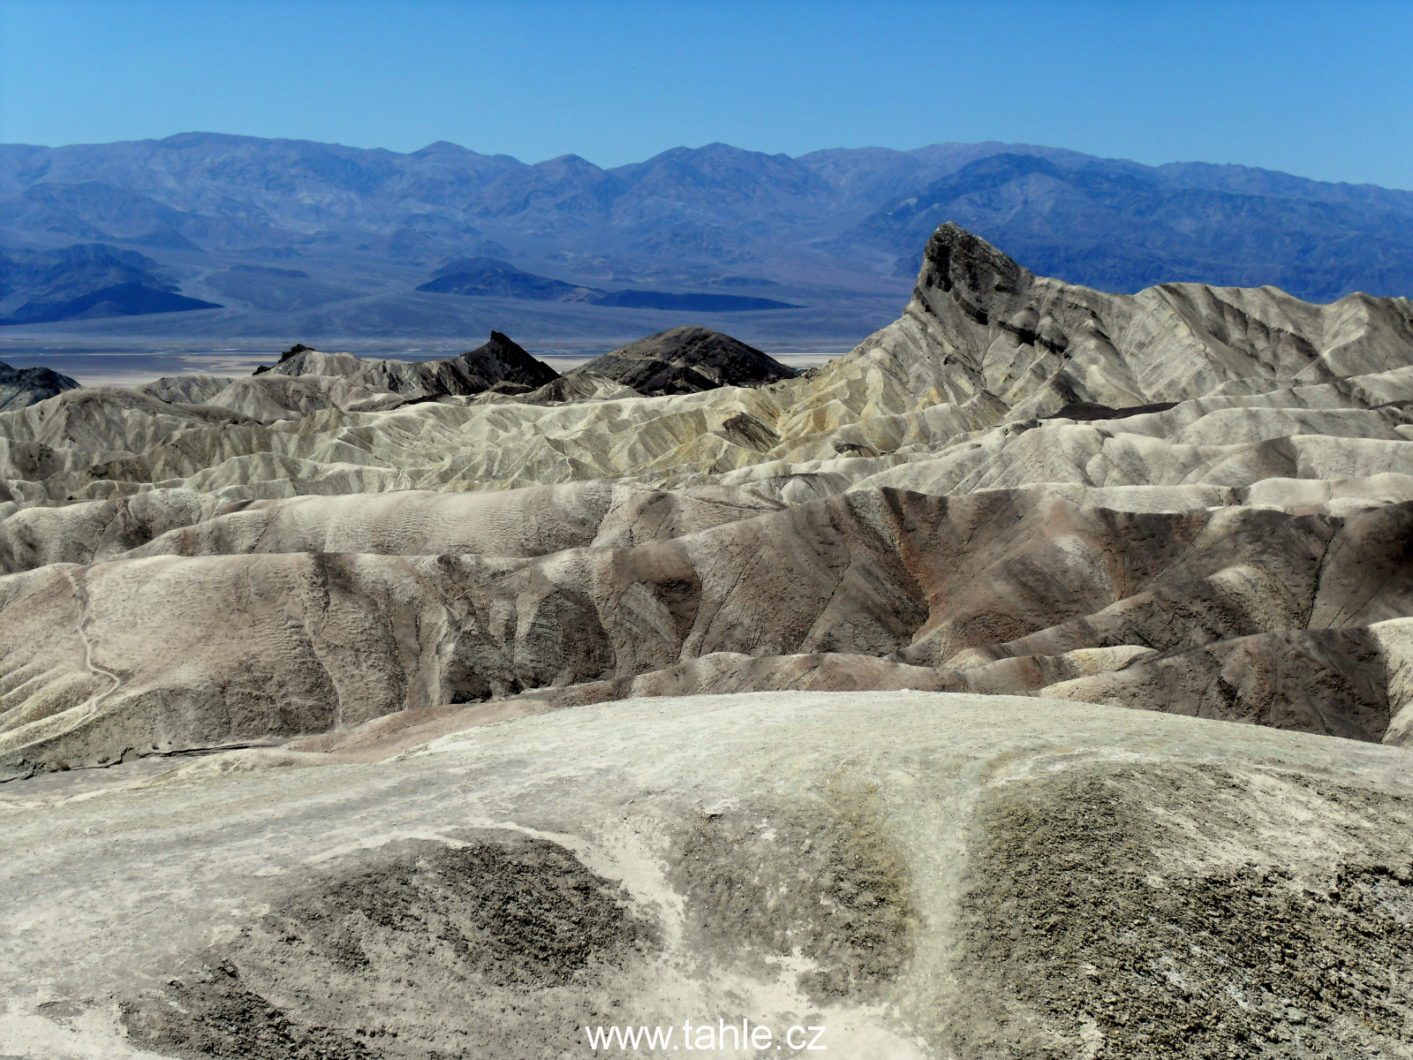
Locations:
(404, 930)
(20, 387)
(1272, 963)
(500, 360)
(686, 360)
(1239, 613)
(1192, 500)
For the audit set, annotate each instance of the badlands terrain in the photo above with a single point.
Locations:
(905, 689)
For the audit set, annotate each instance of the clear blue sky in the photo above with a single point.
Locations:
(1319, 89)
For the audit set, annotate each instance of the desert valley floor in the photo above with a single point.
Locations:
(1035, 680)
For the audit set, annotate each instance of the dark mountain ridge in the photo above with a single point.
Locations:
(483, 277)
(685, 360)
(681, 360)
(85, 280)
(497, 362)
(22, 387)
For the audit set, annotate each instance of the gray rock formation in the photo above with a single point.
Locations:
(686, 360)
(20, 387)
(498, 360)
(579, 385)
(1296, 621)
(973, 575)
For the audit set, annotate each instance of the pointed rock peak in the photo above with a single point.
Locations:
(508, 360)
(955, 258)
(289, 355)
(502, 344)
(20, 387)
(442, 147)
(574, 163)
(688, 332)
(686, 360)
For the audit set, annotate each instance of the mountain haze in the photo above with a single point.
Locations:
(490, 278)
(292, 237)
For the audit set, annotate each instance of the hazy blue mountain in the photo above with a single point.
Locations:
(84, 281)
(1120, 226)
(689, 301)
(492, 278)
(119, 300)
(292, 236)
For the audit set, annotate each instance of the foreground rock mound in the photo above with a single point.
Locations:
(920, 875)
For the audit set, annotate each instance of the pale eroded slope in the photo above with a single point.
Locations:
(1193, 495)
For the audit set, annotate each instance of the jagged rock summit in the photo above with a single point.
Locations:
(20, 387)
(500, 360)
(1037, 344)
(686, 360)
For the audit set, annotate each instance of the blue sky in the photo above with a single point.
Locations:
(1322, 90)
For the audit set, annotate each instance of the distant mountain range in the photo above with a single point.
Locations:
(280, 237)
(85, 281)
(491, 278)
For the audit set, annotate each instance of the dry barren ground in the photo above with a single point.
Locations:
(923, 874)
